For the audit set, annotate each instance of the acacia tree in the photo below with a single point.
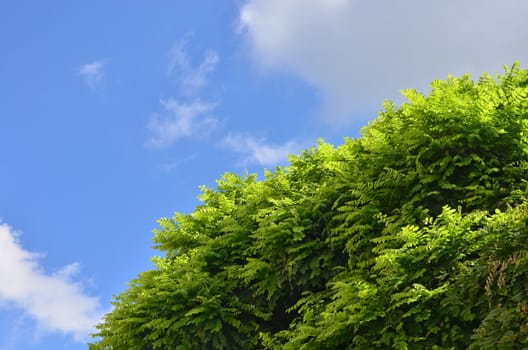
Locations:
(412, 236)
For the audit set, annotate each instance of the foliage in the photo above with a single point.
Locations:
(413, 236)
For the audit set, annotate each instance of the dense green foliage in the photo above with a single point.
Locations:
(413, 236)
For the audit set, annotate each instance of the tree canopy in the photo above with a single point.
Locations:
(412, 236)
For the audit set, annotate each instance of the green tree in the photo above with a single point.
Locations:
(413, 236)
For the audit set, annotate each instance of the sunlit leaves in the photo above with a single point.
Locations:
(413, 236)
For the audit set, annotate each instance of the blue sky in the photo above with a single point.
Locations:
(113, 113)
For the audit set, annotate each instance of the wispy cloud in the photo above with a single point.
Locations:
(93, 74)
(257, 150)
(180, 120)
(192, 78)
(54, 300)
(187, 115)
(356, 53)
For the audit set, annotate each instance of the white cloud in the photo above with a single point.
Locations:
(359, 52)
(191, 78)
(93, 74)
(180, 120)
(187, 116)
(258, 151)
(54, 301)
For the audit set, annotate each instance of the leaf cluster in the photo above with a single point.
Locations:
(413, 236)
